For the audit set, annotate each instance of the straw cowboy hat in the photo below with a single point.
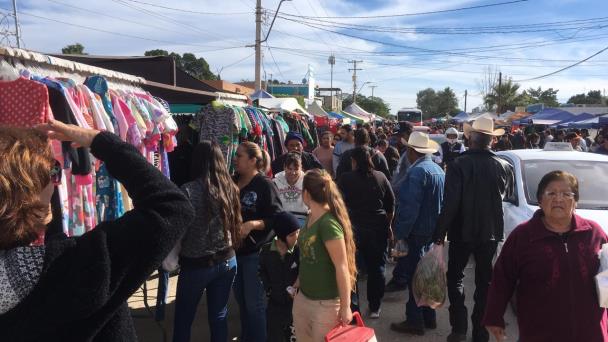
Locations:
(421, 143)
(483, 125)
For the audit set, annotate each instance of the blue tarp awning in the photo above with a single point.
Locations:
(335, 115)
(547, 116)
(461, 117)
(260, 94)
(595, 122)
(577, 118)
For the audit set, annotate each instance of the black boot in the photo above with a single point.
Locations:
(407, 328)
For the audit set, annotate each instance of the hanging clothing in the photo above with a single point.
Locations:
(24, 103)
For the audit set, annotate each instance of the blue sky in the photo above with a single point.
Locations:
(399, 64)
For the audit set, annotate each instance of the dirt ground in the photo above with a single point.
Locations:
(393, 310)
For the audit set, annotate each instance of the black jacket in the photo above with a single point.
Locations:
(309, 162)
(475, 185)
(378, 159)
(278, 273)
(82, 292)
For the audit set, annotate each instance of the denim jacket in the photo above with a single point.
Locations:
(420, 197)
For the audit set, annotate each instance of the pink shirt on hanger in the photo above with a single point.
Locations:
(24, 103)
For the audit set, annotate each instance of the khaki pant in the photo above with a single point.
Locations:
(313, 319)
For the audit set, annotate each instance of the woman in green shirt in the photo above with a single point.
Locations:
(327, 261)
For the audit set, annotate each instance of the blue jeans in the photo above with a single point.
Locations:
(250, 295)
(399, 272)
(161, 295)
(193, 281)
(418, 246)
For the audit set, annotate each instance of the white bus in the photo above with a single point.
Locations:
(411, 115)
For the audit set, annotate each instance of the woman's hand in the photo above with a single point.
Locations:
(345, 315)
(498, 332)
(80, 137)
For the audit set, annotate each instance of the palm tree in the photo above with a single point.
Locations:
(509, 97)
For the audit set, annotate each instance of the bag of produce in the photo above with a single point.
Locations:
(429, 283)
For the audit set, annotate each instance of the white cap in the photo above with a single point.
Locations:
(451, 130)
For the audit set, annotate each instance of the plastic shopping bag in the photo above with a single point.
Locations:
(352, 333)
(429, 283)
(601, 279)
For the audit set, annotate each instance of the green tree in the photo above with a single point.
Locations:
(196, 67)
(505, 97)
(547, 97)
(592, 97)
(427, 102)
(447, 103)
(434, 104)
(74, 49)
(375, 105)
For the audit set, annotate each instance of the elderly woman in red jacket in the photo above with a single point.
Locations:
(550, 262)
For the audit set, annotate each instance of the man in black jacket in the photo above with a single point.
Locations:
(472, 216)
(295, 143)
(279, 261)
(378, 159)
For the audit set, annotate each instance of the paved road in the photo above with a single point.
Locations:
(393, 310)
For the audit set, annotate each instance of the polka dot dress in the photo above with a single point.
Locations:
(23, 103)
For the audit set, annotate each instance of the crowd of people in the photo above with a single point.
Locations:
(292, 237)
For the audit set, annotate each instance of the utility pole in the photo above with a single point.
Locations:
(258, 45)
(354, 70)
(332, 62)
(17, 30)
(499, 92)
(465, 100)
(373, 87)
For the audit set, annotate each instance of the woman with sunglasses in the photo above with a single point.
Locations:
(76, 289)
(550, 263)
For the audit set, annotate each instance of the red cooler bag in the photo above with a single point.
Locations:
(352, 333)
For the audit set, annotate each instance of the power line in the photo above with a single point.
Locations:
(171, 20)
(589, 24)
(113, 17)
(275, 62)
(413, 14)
(187, 11)
(566, 68)
(120, 33)
(425, 51)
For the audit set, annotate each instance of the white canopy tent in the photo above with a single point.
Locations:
(355, 109)
(316, 110)
(288, 104)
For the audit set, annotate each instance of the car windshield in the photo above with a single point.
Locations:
(592, 180)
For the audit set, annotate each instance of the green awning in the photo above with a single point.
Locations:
(185, 108)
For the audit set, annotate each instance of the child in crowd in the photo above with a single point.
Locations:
(279, 261)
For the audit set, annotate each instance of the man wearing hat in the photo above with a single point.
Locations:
(279, 266)
(472, 217)
(420, 199)
(295, 143)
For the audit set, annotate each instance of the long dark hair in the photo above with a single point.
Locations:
(208, 164)
(323, 190)
(363, 158)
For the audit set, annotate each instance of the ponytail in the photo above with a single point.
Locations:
(263, 164)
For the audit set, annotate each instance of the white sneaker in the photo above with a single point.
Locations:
(374, 314)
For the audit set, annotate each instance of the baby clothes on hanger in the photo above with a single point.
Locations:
(24, 103)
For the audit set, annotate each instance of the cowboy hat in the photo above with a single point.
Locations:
(421, 143)
(483, 125)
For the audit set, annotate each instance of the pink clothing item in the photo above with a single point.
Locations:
(123, 125)
(24, 103)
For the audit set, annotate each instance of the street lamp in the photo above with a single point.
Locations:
(363, 85)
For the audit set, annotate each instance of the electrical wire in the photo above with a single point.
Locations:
(113, 17)
(237, 62)
(275, 62)
(120, 33)
(565, 68)
(413, 14)
(171, 20)
(187, 11)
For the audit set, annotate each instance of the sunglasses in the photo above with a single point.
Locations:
(56, 172)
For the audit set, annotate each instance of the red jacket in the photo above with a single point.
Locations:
(553, 280)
